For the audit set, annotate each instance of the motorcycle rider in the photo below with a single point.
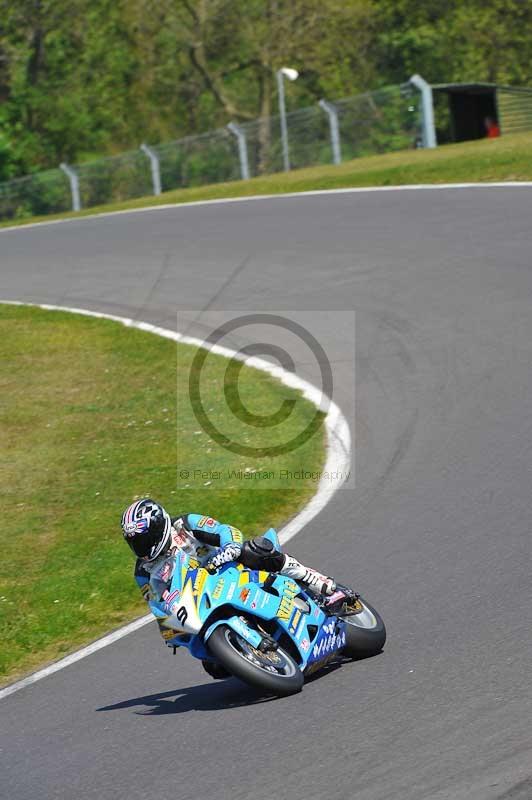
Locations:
(155, 538)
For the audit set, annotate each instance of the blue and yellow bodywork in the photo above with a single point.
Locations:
(198, 602)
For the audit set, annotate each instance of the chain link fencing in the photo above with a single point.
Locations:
(375, 122)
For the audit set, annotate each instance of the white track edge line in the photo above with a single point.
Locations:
(338, 449)
(311, 193)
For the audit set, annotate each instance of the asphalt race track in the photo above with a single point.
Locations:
(436, 533)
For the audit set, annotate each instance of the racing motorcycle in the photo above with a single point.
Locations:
(261, 627)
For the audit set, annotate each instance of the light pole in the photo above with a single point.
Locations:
(292, 75)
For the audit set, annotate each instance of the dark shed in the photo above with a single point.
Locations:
(462, 108)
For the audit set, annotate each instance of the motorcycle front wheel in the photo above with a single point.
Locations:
(274, 670)
(365, 631)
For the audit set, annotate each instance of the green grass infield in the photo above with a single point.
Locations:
(508, 158)
(89, 422)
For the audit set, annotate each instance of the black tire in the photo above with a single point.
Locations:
(280, 677)
(215, 670)
(365, 632)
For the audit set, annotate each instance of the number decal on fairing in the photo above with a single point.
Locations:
(182, 615)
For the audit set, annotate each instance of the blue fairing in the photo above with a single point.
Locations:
(197, 603)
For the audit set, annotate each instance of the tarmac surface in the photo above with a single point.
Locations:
(436, 533)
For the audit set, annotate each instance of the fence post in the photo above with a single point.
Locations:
(242, 149)
(155, 167)
(332, 113)
(74, 185)
(429, 131)
(282, 116)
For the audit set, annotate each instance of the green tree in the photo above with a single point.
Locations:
(460, 40)
(80, 78)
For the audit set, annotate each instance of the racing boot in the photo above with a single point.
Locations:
(312, 580)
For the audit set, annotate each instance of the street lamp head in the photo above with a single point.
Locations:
(288, 72)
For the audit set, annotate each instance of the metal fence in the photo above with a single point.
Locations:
(375, 122)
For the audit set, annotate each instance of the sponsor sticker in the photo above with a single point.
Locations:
(199, 582)
(208, 522)
(231, 591)
(169, 601)
(295, 619)
(131, 528)
(218, 589)
(244, 594)
(236, 534)
(166, 571)
(286, 605)
(328, 644)
(180, 538)
(305, 645)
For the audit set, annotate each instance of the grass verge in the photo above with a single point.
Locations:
(88, 423)
(508, 158)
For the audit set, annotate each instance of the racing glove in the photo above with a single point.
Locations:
(230, 552)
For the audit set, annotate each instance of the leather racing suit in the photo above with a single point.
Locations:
(202, 537)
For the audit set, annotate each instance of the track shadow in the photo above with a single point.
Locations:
(205, 697)
(212, 696)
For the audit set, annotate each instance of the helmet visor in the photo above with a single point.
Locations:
(142, 544)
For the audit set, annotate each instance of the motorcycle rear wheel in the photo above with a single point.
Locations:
(365, 632)
(274, 671)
